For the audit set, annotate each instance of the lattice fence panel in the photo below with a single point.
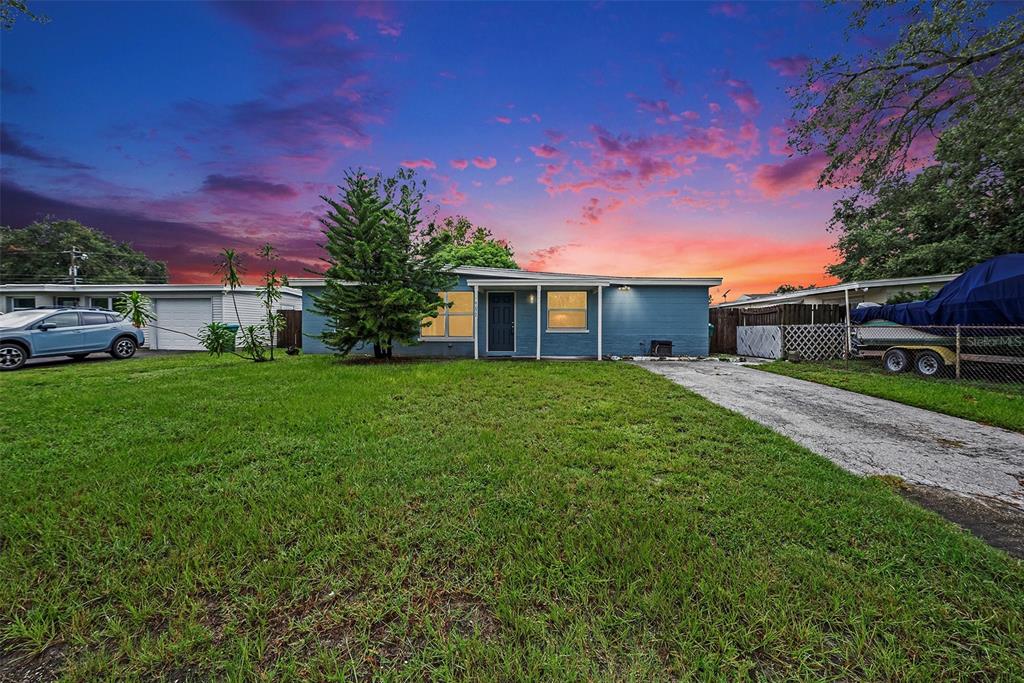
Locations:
(815, 342)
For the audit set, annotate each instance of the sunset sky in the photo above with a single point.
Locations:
(641, 139)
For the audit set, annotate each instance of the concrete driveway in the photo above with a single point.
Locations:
(863, 434)
(968, 472)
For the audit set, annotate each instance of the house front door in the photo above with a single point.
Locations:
(501, 321)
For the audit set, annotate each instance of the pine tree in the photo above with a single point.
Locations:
(383, 274)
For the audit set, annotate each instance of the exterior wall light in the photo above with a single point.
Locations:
(531, 298)
(623, 288)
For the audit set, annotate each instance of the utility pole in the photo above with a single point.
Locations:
(75, 253)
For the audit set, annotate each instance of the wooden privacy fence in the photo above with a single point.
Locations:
(726, 320)
(291, 335)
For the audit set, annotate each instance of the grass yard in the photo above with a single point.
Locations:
(989, 404)
(199, 518)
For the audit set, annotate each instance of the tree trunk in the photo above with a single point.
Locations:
(378, 350)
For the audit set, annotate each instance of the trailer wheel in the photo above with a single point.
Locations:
(895, 361)
(928, 364)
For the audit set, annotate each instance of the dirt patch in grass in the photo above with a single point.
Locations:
(21, 667)
(999, 524)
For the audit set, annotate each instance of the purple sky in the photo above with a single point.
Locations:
(610, 138)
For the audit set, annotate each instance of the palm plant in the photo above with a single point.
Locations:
(230, 268)
(136, 308)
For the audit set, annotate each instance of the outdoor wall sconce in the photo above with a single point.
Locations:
(623, 288)
(531, 298)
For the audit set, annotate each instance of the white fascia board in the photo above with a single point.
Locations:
(668, 281)
(494, 282)
(129, 286)
(852, 286)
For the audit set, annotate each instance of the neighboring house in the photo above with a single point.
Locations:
(874, 291)
(185, 308)
(524, 314)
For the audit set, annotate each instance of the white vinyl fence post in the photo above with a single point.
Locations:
(849, 333)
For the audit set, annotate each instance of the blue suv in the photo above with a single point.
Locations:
(74, 332)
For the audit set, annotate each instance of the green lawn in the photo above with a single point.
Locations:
(185, 516)
(1002, 406)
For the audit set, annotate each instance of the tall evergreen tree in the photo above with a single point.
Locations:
(383, 271)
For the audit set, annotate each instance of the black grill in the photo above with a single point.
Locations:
(661, 347)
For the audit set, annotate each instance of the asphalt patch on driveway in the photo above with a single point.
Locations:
(998, 524)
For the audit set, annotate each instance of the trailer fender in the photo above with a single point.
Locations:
(948, 355)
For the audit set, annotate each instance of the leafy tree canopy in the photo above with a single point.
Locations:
(383, 271)
(787, 288)
(922, 294)
(469, 245)
(34, 254)
(10, 10)
(955, 74)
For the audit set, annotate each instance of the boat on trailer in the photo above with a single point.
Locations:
(978, 317)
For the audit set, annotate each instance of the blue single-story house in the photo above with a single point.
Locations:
(497, 312)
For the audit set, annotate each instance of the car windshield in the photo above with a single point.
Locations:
(19, 318)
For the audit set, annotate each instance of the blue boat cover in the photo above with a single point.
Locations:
(990, 293)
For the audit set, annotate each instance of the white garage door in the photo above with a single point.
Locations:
(184, 315)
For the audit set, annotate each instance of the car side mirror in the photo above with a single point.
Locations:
(48, 326)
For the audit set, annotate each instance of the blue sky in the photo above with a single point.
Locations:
(623, 138)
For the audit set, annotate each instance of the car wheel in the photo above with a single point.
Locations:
(928, 364)
(12, 356)
(895, 361)
(124, 347)
(77, 356)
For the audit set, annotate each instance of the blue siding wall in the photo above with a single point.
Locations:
(632, 318)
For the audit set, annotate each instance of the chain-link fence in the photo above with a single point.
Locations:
(992, 354)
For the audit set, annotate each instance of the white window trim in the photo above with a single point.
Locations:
(568, 330)
(22, 308)
(444, 316)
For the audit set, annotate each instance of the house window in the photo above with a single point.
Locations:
(21, 303)
(452, 321)
(567, 311)
(100, 302)
(66, 301)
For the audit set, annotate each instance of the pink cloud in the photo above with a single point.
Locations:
(459, 164)
(541, 258)
(503, 119)
(789, 177)
(532, 118)
(593, 210)
(381, 13)
(544, 151)
(555, 136)
(627, 163)
(790, 66)
(674, 85)
(690, 115)
(419, 163)
(504, 180)
(728, 9)
(743, 97)
(651, 106)
(714, 107)
(485, 162)
(452, 196)
(777, 142)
